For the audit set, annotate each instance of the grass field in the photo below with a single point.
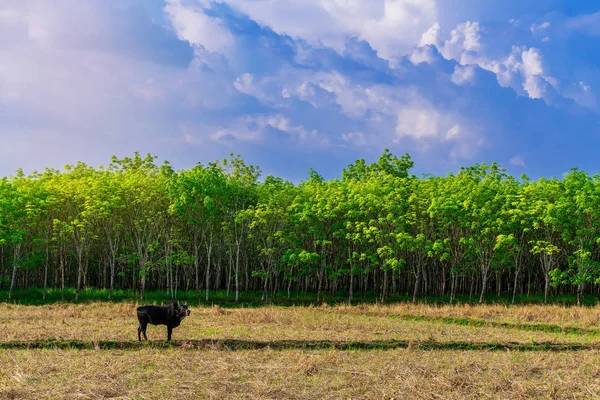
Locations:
(399, 351)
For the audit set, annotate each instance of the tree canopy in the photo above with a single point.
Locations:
(379, 229)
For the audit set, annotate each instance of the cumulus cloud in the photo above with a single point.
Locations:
(463, 74)
(192, 24)
(423, 54)
(431, 128)
(326, 80)
(523, 69)
(391, 27)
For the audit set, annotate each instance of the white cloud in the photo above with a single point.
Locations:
(431, 35)
(357, 139)
(463, 74)
(192, 24)
(536, 28)
(430, 127)
(588, 23)
(419, 123)
(523, 69)
(392, 27)
(453, 132)
(74, 87)
(246, 84)
(583, 94)
(463, 40)
(256, 129)
(422, 55)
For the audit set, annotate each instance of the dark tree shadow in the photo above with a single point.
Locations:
(240, 345)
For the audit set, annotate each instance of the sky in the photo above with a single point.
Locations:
(298, 84)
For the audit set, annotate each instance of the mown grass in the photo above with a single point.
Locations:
(401, 322)
(166, 373)
(401, 350)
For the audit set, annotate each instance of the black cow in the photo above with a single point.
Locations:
(170, 316)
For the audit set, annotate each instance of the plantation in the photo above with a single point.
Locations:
(377, 231)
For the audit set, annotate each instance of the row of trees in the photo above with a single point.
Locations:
(138, 225)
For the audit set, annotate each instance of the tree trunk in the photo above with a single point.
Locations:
(62, 275)
(452, 285)
(385, 286)
(417, 282)
(79, 272)
(237, 272)
(112, 277)
(46, 273)
(484, 279)
(208, 265)
(546, 286)
(351, 293)
(16, 255)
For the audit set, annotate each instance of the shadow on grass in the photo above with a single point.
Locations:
(236, 345)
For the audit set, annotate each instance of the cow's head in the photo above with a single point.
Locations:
(181, 311)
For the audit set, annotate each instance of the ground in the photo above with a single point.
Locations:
(399, 351)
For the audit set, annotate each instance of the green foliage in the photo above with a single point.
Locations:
(378, 228)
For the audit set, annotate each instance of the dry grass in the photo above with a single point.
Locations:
(298, 373)
(107, 321)
(586, 317)
(294, 374)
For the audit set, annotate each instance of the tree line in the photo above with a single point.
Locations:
(378, 229)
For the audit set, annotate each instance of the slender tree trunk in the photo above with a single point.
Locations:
(208, 264)
(143, 262)
(46, 273)
(62, 274)
(229, 271)
(384, 290)
(264, 292)
(452, 285)
(112, 275)
(484, 280)
(580, 290)
(197, 268)
(546, 286)
(417, 283)
(237, 271)
(351, 293)
(16, 255)
(515, 284)
(320, 279)
(79, 271)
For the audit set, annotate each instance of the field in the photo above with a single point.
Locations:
(399, 351)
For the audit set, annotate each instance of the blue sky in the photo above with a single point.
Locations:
(292, 84)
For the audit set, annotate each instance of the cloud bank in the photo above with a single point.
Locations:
(292, 85)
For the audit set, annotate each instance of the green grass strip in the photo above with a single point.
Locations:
(480, 323)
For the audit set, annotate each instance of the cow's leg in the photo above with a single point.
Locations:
(143, 319)
(169, 332)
